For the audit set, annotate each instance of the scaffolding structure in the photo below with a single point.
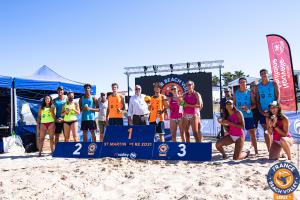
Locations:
(178, 67)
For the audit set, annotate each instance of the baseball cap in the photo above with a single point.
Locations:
(229, 101)
(274, 103)
(60, 88)
(227, 90)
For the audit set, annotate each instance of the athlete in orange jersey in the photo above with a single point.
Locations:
(157, 107)
(116, 106)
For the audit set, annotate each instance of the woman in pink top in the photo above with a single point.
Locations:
(175, 115)
(278, 125)
(234, 123)
(192, 101)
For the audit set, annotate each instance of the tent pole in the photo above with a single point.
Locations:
(128, 87)
(11, 110)
(14, 109)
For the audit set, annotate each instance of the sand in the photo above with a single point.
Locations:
(31, 177)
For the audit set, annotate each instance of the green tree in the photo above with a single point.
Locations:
(228, 76)
(215, 80)
(239, 74)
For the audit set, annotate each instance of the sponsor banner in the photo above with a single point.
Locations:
(282, 70)
(203, 85)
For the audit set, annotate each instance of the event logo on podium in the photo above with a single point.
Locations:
(91, 149)
(163, 150)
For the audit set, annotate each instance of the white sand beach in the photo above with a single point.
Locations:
(31, 177)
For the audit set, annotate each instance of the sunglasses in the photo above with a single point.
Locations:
(137, 89)
(173, 89)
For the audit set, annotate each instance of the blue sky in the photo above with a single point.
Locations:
(92, 40)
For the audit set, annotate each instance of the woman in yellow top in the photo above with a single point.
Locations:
(69, 112)
(157, 108)
(45, 122)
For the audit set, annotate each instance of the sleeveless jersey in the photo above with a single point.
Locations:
(71, 116)
(87, 115)
(156, 105)
(192, 100)
(244, 99)
(266, 94)
(115, 106)
(46, 116)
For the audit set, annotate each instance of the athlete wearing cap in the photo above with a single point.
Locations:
(278, 126)
(233, 121)
(175, 101)
(59, 103)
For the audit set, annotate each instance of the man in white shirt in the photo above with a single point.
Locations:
(138, 112)
(103, 104)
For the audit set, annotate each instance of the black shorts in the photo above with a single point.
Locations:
(70, 123)
(115, 121)
(88, 125)
(140, 119)
(159, 128)
(59, 128)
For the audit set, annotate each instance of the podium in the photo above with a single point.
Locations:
(134, 142)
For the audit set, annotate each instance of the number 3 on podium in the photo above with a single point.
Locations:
(182, 150)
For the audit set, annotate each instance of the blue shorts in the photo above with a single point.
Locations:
(249, 123)
(262, 119)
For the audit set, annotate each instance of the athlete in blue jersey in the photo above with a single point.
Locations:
(59, 102)
(244, 100)
(267, 92)
(88, 106)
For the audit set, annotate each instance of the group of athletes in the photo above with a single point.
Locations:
(245, 109)
(183, 110)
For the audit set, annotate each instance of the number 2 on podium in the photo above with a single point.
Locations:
(129, 133)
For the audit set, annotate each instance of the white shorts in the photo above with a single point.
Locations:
(235, 138)
(278, 142)
(189, 116)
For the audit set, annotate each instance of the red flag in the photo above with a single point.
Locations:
(282, 70)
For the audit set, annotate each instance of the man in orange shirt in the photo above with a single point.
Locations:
(116, 106)
(157, 107)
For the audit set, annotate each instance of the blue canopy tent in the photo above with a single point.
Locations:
(30, 90)
(6, 99)
(5, 82)
(6, 107)
(45, 79)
